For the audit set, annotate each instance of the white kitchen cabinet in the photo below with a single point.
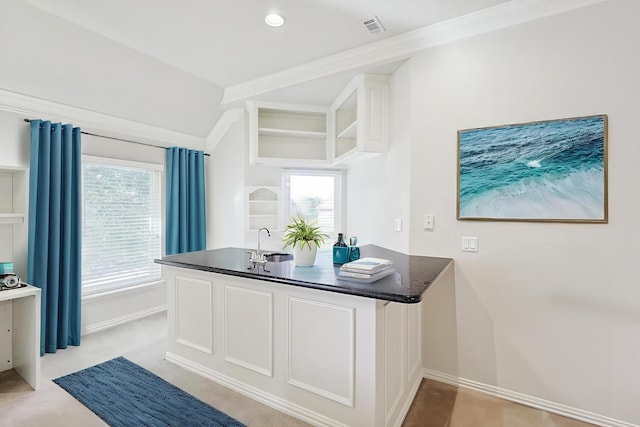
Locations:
(328, 358)
(263, 208)
(355, 127)
(360, 117)
(288, 135)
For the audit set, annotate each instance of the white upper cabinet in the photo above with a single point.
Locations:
(288, 135)
(360, 119)
(353, 128)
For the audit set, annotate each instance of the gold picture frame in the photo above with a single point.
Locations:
(542, 171)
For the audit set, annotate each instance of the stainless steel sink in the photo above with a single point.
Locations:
(278, 257)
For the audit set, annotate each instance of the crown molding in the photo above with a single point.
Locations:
(402, 46)
(94, 122)
(228, 118)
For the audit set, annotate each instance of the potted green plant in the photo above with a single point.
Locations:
(305, 238)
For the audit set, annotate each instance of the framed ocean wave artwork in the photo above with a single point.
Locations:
(546, 171)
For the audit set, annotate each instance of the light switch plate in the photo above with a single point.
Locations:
(397, 224)
(469, 244)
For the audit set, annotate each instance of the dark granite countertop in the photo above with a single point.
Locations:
(412, 276)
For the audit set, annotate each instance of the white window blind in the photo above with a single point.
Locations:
(121, 232)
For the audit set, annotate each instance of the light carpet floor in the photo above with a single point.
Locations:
(144, 342)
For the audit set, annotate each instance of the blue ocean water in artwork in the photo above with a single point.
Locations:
(544, 170)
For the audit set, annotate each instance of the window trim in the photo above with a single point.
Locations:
(122, 163)
(339, 196)
(108, 289)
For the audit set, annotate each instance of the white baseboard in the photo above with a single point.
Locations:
(407, 403)
(270, 400)
(122, 319)
(524, 399)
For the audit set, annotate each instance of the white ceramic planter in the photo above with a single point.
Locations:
(305, 257)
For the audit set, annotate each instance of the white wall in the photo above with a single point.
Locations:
(378, 190)
(97, 311)
(548, 310)
(225, 189)
(228, 175)
(14, 140)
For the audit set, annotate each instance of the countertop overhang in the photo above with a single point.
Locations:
(412, 277)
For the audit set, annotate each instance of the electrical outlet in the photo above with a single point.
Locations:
(428, 222)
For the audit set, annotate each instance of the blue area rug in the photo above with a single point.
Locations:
(124, 394)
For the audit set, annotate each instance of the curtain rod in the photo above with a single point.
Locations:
(122, 139)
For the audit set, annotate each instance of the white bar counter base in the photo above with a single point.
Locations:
(20, 338)
(327, 358)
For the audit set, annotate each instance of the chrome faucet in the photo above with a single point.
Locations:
(257, 257)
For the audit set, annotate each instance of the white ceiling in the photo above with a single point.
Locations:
(177, 64)
(227, 42)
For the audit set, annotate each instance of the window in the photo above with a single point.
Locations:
(121, 226)
(315, 196)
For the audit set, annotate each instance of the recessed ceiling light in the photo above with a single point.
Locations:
(274, 20)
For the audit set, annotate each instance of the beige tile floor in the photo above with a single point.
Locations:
(144, 341)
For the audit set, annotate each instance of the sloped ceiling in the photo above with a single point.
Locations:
(48, 57)
(168, 63)
(227, 42)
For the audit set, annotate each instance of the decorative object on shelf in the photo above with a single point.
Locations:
(546, 171)
(10, 281)
(354, 250)
(354, 253)
(340, 251)
(6, 267)
(305, 238)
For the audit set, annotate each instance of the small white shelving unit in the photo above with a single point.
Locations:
(288, 135)
(20, 334)
(13, 198)
(19, 308)
(263, 208)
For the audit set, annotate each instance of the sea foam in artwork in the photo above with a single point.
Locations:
(539, 171)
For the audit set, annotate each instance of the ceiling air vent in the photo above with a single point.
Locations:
(373, 25)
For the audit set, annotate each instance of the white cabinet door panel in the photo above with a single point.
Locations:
(321, 349)
(194, 313)
(248, 329)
